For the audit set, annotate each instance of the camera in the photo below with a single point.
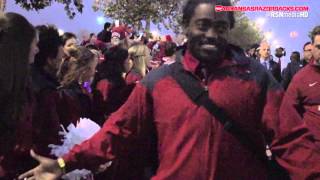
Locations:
(280, 52)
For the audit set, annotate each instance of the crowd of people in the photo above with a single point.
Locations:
(262, 53)
(204, 109)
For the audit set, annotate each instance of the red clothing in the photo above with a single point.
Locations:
(110, 97)
(299, 125)
(47, 122)
(151, 44)
(15, 146)
(55, 108)
(191, 143)
(133, 77)
(100, 44)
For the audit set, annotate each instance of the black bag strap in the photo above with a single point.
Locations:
(199, 95)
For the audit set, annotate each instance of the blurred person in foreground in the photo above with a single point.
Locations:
(18, 47)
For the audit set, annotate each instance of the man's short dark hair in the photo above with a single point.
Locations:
(254, 46)
(170, 48)
(106, 25)
(191, 5)
(49, 43)
(315, 32)
(92, 46)
(295, 52)
(306, 44)
(66, 36)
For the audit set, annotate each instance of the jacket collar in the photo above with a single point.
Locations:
(314, 63)
(191, 64)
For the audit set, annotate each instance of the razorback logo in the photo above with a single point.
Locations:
(116, 34)
(218, 8)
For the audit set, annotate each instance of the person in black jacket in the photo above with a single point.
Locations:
(296, 64)
(47, 61)
(105, 34)
(292, 68)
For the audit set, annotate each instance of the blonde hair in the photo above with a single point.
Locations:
(140, 54)
(80, 62)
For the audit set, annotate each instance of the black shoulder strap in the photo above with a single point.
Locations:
(199, 95)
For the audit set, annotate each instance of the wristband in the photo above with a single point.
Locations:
(62, 165)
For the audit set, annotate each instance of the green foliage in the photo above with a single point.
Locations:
(244, 34)
(141, 13)
(70, 6)
(135, 12)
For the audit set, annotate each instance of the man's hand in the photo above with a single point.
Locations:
(48, 169)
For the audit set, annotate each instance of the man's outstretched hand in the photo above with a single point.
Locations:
(48, 169)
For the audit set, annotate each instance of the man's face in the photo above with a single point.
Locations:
(207, 32)
(251, 52)
(316, 49)
(264, 51)
(115, 41)
(294, 57)
(55, 63)
(70, 45)
(307, 52)
(59, 57)
(33, 50)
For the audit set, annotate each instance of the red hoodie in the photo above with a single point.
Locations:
(191, 143)
(300, 125)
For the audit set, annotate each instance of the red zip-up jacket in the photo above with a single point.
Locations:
(133, 77)
(56, 108)
(191, 143)
(299, 142)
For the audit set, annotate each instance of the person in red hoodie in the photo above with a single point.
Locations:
(110, 89)
(300, 115)
(18, 46)
(119, 37)
(191, 143)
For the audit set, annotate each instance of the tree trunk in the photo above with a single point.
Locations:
(148, 24)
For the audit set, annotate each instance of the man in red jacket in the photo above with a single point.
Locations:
(191, 143)
(300, 115)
